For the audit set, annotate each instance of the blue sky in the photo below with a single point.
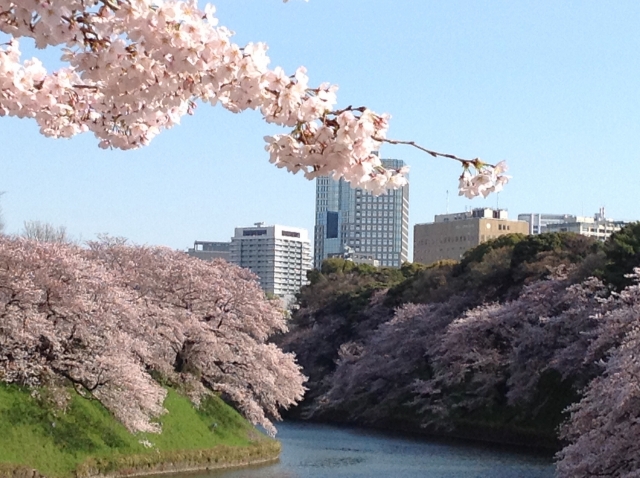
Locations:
(552, 87)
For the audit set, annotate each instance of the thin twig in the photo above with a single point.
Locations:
(361, 109)
(477, 163)
(112, 6)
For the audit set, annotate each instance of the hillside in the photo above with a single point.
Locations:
(527, 339)
(368, 338)
(85, 439)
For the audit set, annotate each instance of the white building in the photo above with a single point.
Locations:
(279, 255)
(371, 226)
(538, 222)
(598, 226)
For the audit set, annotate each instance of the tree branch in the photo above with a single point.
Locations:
(477, 163)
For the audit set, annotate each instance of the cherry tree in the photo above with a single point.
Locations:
(375, 377)
(559, 340)
(61, 319)
(604, 426)
(501, 351)
(210, 321)
(113, 318)
(456, 356)
(135, 67)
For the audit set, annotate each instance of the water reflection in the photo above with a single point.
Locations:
(320, 451)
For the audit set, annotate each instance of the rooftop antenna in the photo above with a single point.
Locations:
(447, 201)
(497, 201)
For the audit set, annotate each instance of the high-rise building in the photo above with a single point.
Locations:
(451, 235)
(208, 250)
(352, 219)
(279, 255)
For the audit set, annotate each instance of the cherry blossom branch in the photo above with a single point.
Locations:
(136, 67)
(488, 178)
(476, 163)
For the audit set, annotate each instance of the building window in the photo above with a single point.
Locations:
(254, 232)
(332, 225)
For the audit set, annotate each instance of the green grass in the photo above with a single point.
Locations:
(87, 439)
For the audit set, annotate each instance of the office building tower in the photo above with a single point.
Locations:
(352, 220)
(451, 235)
(279, 255)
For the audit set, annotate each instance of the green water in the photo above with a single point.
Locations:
(319, 451)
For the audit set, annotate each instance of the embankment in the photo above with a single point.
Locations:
(38, 439)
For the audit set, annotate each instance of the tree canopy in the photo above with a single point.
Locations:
(622, 252)
(119, 322)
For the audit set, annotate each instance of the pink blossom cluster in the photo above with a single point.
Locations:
(137, 66)
(342, 144)
(111, 318)
(487, 179)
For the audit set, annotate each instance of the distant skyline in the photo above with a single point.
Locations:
(549, 86)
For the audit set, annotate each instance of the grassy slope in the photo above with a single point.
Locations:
(88, 438)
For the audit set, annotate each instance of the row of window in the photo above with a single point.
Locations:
(261, 260)
(393, 213)
(375, 207)
(271, 252)
(455, 239)
(388, 263)
(383, 252)
(369, 198)
(375, 242)
(269, 242)
(384, 231)
(375, 220)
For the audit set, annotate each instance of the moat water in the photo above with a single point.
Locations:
(322, 451)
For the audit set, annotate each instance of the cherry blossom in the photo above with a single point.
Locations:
(604, 426)
(113, 318)
(488, 179)
(136, 67)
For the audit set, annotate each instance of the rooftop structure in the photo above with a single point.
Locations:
(209, 251)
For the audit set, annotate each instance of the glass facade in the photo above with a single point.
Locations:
(375, 226)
